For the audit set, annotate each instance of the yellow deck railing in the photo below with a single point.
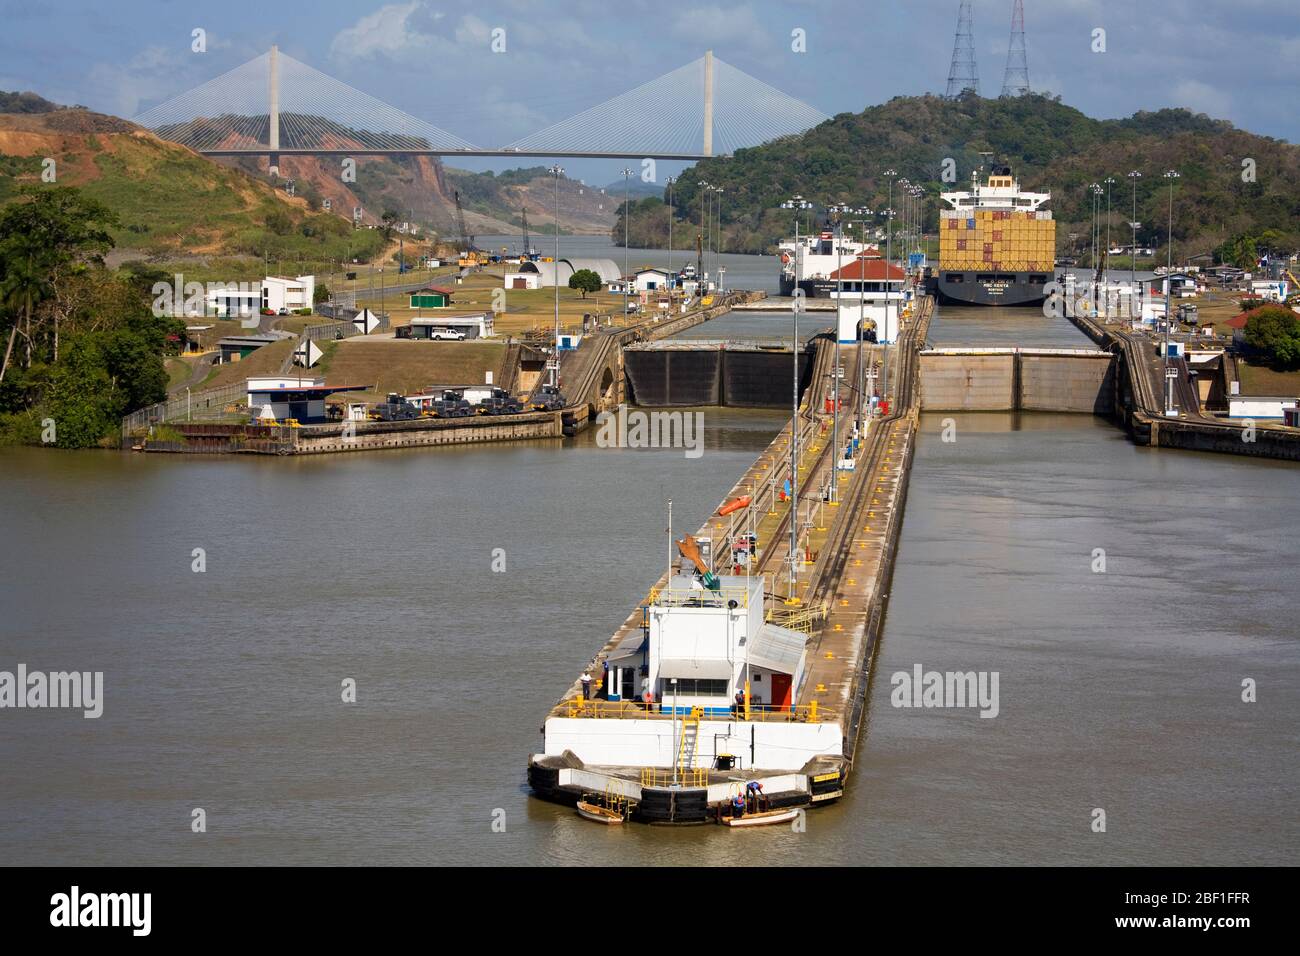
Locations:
(802, 619)
(660, 777)
(697, 597)
(631, 710)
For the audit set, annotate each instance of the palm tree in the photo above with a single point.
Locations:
(26, 283)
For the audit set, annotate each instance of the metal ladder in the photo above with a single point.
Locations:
(689, 743)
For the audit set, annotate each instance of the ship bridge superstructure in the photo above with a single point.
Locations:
(1000, 192)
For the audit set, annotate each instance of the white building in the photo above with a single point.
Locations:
(1270, 290)
(548, 272)
(290, 294)
(873, 292)
(651, 280)
(280, 398)
(469, 325)
(1259, 406)
(703, 645)
(232, 300)
(243, 299)
(522, 280)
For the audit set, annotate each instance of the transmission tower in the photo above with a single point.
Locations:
(1016, 80)
(963, 75)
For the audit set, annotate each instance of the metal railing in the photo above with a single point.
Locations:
(801, 619)
(697, 597)
(633, 710)
(206, 404)
(689, 777)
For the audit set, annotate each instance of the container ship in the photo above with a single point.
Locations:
(818, 257)
(997, 246)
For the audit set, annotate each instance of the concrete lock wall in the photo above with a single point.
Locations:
(988, 380)
(1067, 383)
(973, 383)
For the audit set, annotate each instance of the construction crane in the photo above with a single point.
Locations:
(469, 251)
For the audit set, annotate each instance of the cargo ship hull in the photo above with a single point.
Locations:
(991, 288)
(997, 245)
(812, 288)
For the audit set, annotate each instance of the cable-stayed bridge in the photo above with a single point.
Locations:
(275, 105)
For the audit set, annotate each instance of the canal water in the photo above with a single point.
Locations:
(1118, 690)
(742, 271)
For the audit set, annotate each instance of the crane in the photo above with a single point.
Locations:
(466, 240)
(469, 253)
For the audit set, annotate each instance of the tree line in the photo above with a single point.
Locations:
(81, 344)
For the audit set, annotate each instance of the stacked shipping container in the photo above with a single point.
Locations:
(1012, 240)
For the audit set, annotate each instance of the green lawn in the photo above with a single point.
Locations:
(1259, 380)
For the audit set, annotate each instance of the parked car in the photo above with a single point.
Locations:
(453, 335)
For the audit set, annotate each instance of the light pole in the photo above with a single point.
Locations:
(627, 216)
(1096, 195)
(883, 332)
(905, 186)
(704, 186)
(1109, 181)
(838, 212)
(557, 172)
(717, 237)
(1170, 175)
(889, 256)
(798, 204)
(671, 277)
(860, 258)
(1134, 175)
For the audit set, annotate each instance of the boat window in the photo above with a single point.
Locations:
(700, 687)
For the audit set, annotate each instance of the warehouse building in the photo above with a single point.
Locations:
(564, 268)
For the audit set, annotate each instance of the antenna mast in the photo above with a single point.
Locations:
(963, 75)
(1016, 80)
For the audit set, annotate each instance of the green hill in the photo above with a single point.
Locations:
(170, 201)
(1051, 147)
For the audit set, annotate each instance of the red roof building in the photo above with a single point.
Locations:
(870, 269)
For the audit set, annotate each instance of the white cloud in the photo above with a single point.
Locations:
(1203, 98)
(121, 88)
(389, 31)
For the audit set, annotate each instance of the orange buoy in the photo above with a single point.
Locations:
(730, 506)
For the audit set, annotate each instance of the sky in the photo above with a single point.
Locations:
(1237, 60)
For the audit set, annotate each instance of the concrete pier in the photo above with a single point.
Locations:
(802, 753)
